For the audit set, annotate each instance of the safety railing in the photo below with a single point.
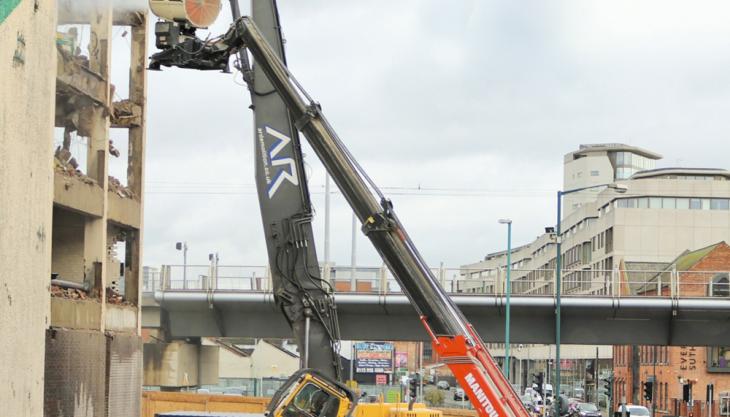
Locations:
(524, 282)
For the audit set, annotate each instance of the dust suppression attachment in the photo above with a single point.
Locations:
(196, 13)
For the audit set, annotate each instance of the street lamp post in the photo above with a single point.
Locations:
(508, 222)
(619, 188)
(183, 246)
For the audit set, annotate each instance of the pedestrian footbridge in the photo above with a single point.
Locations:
(601, 320)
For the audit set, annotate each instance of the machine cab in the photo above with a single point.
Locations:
(308, 393)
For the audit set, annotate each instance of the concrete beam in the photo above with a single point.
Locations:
(75, 314)
(590, 320)
(124, 211)
(76, 194)
(75, 79)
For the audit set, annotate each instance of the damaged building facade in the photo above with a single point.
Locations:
(73, 142)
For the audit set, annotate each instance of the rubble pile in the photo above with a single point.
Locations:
(113, 297)
(69, 293)
(124, 109)
(116, 187)
(70, 169)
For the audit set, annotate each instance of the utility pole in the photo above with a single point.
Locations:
(421, 371)
(353, 254)
(595, 377)
(183, 246)
(326, 219)
(352, 361)
(508, 289)
(635, 357)
(619, 188)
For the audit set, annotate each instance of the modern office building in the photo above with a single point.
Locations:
(598, 164)
(663, 212)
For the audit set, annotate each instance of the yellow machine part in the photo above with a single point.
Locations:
(382, 409)
(300, 398)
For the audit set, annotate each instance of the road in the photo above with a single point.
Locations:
(451, 403)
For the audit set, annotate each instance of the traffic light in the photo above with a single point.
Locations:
(648, 390)
(608, 386)
(537, 380)
(413, 386)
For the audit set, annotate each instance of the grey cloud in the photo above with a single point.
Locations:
(476, 95)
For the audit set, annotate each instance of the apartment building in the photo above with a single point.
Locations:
(663, 212)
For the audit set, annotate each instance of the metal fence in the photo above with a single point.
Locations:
(255, 387)
(379, 280)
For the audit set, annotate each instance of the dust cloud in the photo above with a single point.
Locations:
(84, 7)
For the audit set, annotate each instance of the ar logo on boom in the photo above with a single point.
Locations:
(284, 174)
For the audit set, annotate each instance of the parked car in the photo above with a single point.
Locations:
(532, 406)
(565, 404)
(579, 393)
(460, 395)
(233, 391)
(443, 385)
(636, 410)
(585, 410)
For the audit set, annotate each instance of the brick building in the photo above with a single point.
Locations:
(700, 273)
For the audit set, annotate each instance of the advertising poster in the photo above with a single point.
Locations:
(373, 357)
(401, 359)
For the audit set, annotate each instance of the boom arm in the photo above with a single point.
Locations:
(286, 211)
(453, 337)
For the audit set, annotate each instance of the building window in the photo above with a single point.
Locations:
(699, 204)
(719, 204)
(718, 359)
(609, 240)
(659, 399)
(594, 173)
(720, 286)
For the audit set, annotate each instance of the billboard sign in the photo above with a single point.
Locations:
(373, 357)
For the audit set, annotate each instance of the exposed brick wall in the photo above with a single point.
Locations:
(682, 362)
(411, 349)
(360, 286)
(695, 282)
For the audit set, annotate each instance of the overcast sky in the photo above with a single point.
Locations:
(475, 102)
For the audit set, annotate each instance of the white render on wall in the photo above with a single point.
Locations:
(27, 86)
